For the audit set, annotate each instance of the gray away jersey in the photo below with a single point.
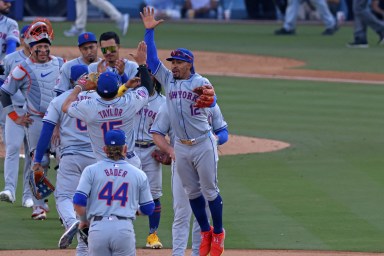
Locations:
(10, 62)
(36, 81)
(9, 29)
(114, 188)
(187, 121)
(162, 124)
(102, 116)
(145, 117)
(74, 138)
(64, 83)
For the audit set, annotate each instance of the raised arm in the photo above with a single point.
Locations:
(148, 17)
(141, 59)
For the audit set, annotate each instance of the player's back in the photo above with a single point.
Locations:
(116, 188)
(9, 30)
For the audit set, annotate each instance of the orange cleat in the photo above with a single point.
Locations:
(217, 247)
(206, 241)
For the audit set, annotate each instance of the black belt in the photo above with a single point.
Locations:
(150, 144)
(99, 218)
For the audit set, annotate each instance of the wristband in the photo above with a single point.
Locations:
(13, 115)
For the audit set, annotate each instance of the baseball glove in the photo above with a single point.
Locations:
(206, 96)
(88, 82)
(40, 185)
(84, 234)
(161, 157)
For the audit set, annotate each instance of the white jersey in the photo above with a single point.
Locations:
(10, 62)
(145, 117)
(74, 138)
(9, 30)
(101, 116)
(162, 123)
(130, 68)
(64, 83)
(36, 81)
(114, 188)
(188, 121)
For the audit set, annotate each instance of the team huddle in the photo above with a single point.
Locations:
(105, 120)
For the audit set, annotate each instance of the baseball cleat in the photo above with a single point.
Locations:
(67, 237)
(153, 241)
(217, 246)
(28, 203)
(206, 241)
(7, 196)
(38, 213)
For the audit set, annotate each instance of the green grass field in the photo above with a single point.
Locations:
(325, 192)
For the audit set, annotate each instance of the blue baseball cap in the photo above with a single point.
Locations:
(107, 85)
(77, 71)
(23, 30)
(114, 138)
(184, 55)
(86, 37)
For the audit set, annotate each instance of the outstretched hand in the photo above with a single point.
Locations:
(148, 17)
(141, 53)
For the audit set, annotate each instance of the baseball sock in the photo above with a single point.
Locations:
(198, 208)
(154, 218)
(216, 207)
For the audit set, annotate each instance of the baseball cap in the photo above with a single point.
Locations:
(114, 138)
(8, 0)
(107, 85)
(184, 55)
(86, 37)
(78, 70)
(23, 30)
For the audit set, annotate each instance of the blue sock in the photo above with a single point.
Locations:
(198, 208)
(216, 207)
(154, 218)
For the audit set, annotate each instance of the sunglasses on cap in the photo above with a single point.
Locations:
(178, 53)
(111, 49)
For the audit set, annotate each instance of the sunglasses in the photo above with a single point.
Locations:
(111, 49)
(178, 53)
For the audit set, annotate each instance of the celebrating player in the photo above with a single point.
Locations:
(15, 135)
(87, 44)
(107, 197)
(109, 112)
(110, 47)
(36, 78)
(76, 154)
(195, 144)
(181, 208)
(144, 146)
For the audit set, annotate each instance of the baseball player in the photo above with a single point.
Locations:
(144, 147)
(14, 135)
(36, 78)
(87, 44)
(9, 30)
(107, 113)
(107, 197)
(195, 145)
(110, 45)
(9, 40)
(75, 151)
(182, 211)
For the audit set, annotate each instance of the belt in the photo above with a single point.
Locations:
(19, 106)
(129, 155)
(99, 218)
(194, 141)
(144, 144)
